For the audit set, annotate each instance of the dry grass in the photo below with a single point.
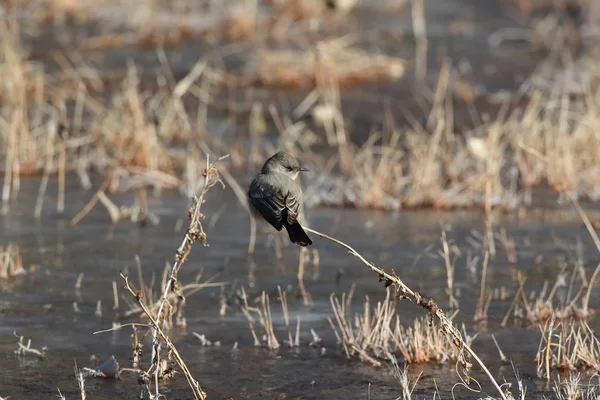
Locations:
(82, 119)
(543, 305)
(377, 334)
(572, 388)
(152, 297)
(138, 137)
(401, 376)
(551, 141)
(268, 338)
(567, 347)
(117, 138)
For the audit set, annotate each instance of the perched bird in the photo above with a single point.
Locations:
(275, 195)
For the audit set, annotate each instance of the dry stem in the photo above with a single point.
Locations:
(198, 392)
(194, 233)
(446, 325)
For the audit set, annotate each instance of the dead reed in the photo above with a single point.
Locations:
(547, 142)
(543, 305)
(80, 376)
(135, 136)
(152, 299)
(572, 388)
(377, 334)
(401, 376)
(268, 338)
(567, 347)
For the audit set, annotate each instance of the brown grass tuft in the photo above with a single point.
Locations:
(377, 334)
(567, 347)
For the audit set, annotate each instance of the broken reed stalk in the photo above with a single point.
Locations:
(446, 326)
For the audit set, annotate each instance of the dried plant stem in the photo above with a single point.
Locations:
(194, 233)
(80, 382)
(446, 325)
(489, 218)
(586, 221)
(198, 392)
(286, 314)
(252, 240)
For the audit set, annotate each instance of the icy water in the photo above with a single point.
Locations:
(40, 305)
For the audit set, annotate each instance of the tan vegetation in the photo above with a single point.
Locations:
(575, 388)
(152, 300)
(567, 347)
(268, 338)
(142, 138)
(539, 307)
(377, 334)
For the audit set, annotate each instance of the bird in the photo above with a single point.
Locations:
(275, 196)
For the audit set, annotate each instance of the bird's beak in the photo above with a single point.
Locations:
(303, 169)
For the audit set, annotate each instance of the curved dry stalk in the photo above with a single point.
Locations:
(446, 325)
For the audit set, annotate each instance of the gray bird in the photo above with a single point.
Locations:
(275, 196)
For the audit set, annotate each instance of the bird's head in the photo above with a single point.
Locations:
(283, 162)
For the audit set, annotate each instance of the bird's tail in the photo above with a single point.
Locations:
(297, 234)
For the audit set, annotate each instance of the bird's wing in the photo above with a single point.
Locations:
(269, 203)
(292, 205)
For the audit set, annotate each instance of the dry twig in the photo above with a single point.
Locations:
(194, 233)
